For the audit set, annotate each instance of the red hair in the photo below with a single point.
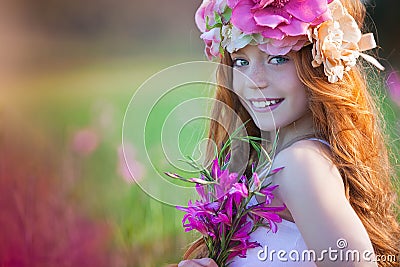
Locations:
(344, 114)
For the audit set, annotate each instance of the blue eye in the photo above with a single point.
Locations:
(277, 60)
(240, 62)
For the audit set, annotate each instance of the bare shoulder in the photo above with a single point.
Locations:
(304, 150)
(307, 165)
(311, 187)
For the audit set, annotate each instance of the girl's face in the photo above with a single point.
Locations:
(272, 92)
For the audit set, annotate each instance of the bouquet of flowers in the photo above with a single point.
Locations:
(223, 215)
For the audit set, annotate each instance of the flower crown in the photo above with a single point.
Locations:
(281, 26)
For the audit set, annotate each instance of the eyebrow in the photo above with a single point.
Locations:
(237, 53)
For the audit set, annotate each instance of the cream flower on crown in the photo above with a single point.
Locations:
(339, 42)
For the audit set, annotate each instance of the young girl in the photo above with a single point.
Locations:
(300, 57)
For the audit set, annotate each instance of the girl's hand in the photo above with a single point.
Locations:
(204, 262)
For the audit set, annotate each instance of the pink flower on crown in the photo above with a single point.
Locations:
(212, 40)
(285, 21)
(205, 15)
(278, 18)
(207, 9)
(276, 26)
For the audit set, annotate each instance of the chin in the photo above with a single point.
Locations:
(273, 125)
(266, 127)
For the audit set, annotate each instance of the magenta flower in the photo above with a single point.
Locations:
(229, 208)
(239, 192)
(242, 234)
(224, 180)
(267, 213)
(199, 216)
(267, 191)
(223, 213)
(202, 193)
(256, 179)
(215, 169)
(241, 249)
(221, 218)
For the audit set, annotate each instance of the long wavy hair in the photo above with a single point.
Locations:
(346, 115)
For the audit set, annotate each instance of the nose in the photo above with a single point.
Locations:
(259, 77)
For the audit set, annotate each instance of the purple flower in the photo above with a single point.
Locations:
(224, 180)
(267, 191)
(227, 158)
(276, 170)
(267, 213)
(239, 191)
(215, 169)
(199, 217)
(256, 180)
(243, 234)
(221, 218)
(229, 208)
(202, 193)
(241, 249)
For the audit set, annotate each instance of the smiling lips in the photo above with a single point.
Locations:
(266, 104)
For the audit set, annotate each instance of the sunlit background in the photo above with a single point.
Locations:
(67, 72)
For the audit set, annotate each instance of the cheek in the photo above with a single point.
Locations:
(238, 82)
(301, 100)
(236, 85)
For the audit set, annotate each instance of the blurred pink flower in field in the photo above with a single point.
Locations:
(41, 224)
(136, 170)
(85, 141)
(393, 85)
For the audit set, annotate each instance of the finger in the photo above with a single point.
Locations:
(188, 263)
(206, 262)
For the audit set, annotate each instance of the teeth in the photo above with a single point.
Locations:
(260, 104)
(263, 104)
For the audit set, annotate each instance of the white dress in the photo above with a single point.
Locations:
(283, 248)
(286, 247)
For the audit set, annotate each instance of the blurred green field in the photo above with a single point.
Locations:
(56, 103)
